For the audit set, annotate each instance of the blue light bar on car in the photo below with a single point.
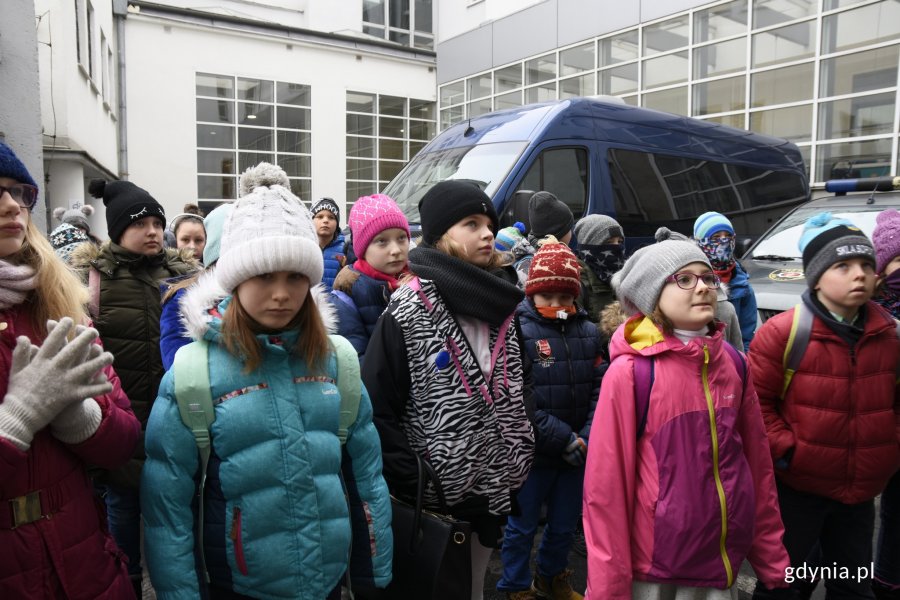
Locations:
(870, 184)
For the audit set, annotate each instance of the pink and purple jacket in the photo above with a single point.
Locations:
(695, 495)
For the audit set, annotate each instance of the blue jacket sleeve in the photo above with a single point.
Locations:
(350, 323)
(746, 311)
(167, 489)
(172, 335)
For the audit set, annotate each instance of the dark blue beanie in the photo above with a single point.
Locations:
(12, 167)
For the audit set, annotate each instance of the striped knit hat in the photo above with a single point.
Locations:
(554, 270)
(710, 223)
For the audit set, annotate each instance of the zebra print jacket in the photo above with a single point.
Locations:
(431, 398)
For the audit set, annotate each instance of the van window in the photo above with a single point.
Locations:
(563, 172)
(654, 190)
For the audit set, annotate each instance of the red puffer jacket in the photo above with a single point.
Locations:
(68, 553)
(841, 414)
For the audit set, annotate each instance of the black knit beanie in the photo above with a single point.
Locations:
(125, 203)
(548, 215)
(447, 203)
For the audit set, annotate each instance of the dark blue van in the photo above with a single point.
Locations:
(599, 155)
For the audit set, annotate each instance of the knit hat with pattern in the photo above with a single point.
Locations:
(826, 240)
(327, 204)
(369, 216)
(886, 238)
(76, 216)
(268, 230)
(509, 236)
(125, 203)
(710, 223)
(554, 270)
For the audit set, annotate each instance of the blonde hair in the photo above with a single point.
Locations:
(448, 245)
(58, 291)
(240, 336)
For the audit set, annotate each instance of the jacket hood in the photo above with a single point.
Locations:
(198, 315)
(639, 335)
(84, 255)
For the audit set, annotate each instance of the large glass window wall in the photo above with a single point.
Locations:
(821, 73)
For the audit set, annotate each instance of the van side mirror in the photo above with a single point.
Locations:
(517, 209)
(743, 244)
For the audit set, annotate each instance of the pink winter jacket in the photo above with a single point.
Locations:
(695, 495)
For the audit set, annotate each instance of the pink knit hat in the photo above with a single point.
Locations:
(886, 238)
(370, 216)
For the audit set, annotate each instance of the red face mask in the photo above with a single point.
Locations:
(552, 312)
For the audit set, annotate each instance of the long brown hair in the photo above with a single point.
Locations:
(239, 332)
(448, 245)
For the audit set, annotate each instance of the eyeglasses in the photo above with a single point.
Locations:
(25, 195)
(688, 281)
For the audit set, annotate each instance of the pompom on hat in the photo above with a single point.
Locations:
(554, 270)
(76, 216)
(125, 203)
(369, 216)
(886, 238)
(827, 239)
(268, 230)
(509, 236)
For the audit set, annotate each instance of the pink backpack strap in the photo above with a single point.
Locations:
(94, 292)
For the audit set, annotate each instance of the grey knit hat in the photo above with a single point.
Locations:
(548, 215)
(640, 282)
(594, 230)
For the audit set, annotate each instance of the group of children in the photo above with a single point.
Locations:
(685, 456)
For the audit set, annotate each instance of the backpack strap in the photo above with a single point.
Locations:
(348, 382)
(93, 293)
(798, 340)
(194, 398)
(739, 363)
(644, 374)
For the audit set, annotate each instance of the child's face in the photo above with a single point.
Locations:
(144, 236)
(542, 299)
(846, 285)
(191, 234)
(892, 266)
(273, 299)
(388, 251)
(615, 240)
(689, 309)
(13, 220)
(325, 224)
(474, 236)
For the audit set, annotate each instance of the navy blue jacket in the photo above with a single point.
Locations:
(334, 257)
(359, 308)
(742, 297)
(567, 366)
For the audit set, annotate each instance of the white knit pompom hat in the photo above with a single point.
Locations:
(268, 230)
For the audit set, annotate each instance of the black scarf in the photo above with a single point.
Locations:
(850, 333)
(603, 259)
(467, 289)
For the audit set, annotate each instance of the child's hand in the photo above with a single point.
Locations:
(576, 451)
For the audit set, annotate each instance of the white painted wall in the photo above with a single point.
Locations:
(163, 58)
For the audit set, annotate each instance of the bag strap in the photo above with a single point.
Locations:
(425, 472)
(798, 340)
(195, 404)
(644, 374)
(739, 363)
(93, 293)
(348, 382)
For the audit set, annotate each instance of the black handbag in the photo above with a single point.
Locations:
(432, 551)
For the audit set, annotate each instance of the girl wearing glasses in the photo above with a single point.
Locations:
(679, 493)
(62, 408)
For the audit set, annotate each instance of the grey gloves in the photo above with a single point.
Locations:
(575, 451)
(44, 382)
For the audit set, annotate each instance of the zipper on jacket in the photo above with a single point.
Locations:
(720, 489)
(851, 441)
(235, 536)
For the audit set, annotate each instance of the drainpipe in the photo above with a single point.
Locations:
(120, 11)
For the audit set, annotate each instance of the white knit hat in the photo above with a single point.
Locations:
(268, 230)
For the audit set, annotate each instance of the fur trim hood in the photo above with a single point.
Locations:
(206, 294)
(86, 255)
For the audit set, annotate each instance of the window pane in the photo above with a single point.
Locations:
(360, 169)
(295, 166)
(401, 37)
(730, 120)
(540, 69)
(415, 148)
(358, 102)
(831, 4)
(666, 36)
(255, 139)
(423, 15)
(673, 101)
(293, 93)
(421, 109)
(449, 116)
(479, 107)
(212, 161)
(853, 117)
(215, 136)
(424, 42)
(576, 60)
(391, 149)
(721, 21)
(853, 159)
(421, 130)
(361, 124)
(358, 189)
(392, 105)
(508, 78)
(251, 159)
(294, 141)
(509, 100)
(861, 26)
(560, 171)
(216, 111)
(255, 90)
(672, 68)
(360, 146)
(453, 93)
(859, 72)
(785, 43)
(387, 169)
(302, 188)
(376, 31)
(772, 12)
(398, 13)
(577, 86)
(793, 123)
(721, 95)
(619, 80)
(619, 48)
(388, 127)
(293, 118)
(718, 59)
(258, 115)
(479, 86)
(778, 86)
(215, 187)
(541, 93)
(218, 86)
(373, 11)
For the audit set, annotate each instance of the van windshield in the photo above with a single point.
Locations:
(484, 164)
(782, 241)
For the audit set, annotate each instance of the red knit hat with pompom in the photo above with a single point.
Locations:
(554, 270)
